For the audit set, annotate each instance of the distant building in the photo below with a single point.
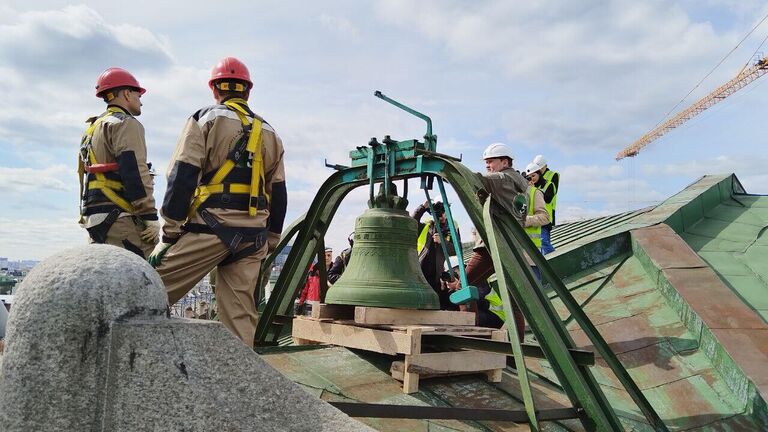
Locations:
(7, 283)
(279, 262)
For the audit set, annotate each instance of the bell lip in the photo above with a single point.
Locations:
(380, 305)
(425, 301)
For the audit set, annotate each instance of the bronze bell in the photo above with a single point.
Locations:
(384, 269)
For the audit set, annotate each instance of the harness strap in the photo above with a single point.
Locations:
(232, 237)
(244, 252)
(255, 144)
(108, 187)
(254, 147)
(106, 208)
(234, 202)
(99, 232)
(109, 184)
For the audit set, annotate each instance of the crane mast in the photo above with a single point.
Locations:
(741, 80)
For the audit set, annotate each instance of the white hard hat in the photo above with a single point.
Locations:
(454, 261)
(531, 168)
(497, 150)
(540, 161)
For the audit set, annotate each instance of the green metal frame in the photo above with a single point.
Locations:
(523, 287)
(509, 247)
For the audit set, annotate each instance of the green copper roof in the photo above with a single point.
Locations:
(662, 355)
(731, 238)
(678, 290)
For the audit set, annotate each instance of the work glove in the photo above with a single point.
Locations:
(157, 254)
(272, 240)
(151, 231)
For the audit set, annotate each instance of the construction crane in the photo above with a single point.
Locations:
(741, 80)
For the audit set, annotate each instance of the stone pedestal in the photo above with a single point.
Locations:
(90, 347)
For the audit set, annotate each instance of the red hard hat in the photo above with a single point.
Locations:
(115, 77)
(232, 68)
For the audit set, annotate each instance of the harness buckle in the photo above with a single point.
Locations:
(225, 196)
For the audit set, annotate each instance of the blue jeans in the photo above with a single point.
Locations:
(546, 243)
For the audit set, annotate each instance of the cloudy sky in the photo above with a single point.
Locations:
(575, 81)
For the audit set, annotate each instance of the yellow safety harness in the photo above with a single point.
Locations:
(216, 185)
(109, 188)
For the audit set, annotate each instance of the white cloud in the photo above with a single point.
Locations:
(50, 60)
(38, 238)
(579, 37)
(604, 190)
(750, 169)
(574, 81)
(76, 39)
(340, 26)
(41, 180)
(582, 74)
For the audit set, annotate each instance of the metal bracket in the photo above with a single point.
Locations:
(337, 167)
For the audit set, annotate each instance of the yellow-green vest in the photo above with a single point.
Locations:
(548, 175)
(494, 304)
(422, 240)
(533, 232)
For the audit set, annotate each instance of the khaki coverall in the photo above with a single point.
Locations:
(119, 137)
(203, 147)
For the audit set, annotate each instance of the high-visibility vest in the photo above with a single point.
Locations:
(422, 240)
(551, 206)
(533, 232)
(494, 304)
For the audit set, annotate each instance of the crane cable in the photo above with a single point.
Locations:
(716, 66)
(756, 51)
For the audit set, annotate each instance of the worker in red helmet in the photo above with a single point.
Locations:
(225, 202)
(117, 206)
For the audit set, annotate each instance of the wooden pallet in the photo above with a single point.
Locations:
(398, 331)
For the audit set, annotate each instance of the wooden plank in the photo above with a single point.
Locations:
(381, 341)
(411, 379)
(323, 311)
(300, 341)
(397, 368)
(454, 361)
(495, 375)
(472, 331)
(373, 315)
